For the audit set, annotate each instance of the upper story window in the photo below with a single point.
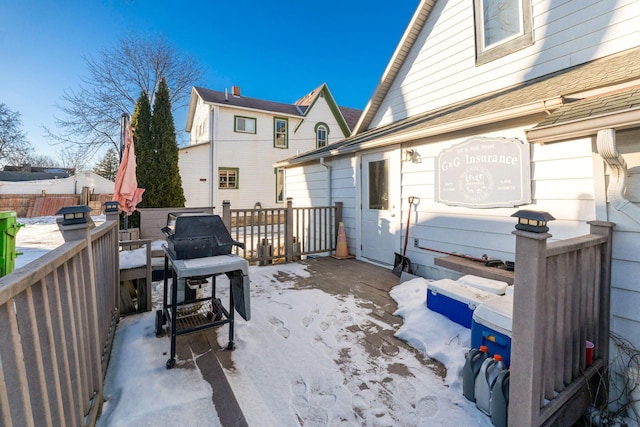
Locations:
(245, 124)
(502, 27)
(280, 135)
(322, 134)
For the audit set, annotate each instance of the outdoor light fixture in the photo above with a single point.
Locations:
(409, 155)
(533, 221)
(111, 206)
(74, 214)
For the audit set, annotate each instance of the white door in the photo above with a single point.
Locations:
(380, 206)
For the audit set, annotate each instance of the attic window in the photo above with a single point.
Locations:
(502, 27)
(322, 134)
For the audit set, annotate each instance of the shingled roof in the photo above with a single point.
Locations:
(560, 89)
(298, 108)
(217, 97)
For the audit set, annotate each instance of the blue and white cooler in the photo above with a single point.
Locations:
(455, 300)
(492, 324)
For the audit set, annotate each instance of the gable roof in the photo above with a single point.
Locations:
(223, 98)
(559, 91)
(346, 117)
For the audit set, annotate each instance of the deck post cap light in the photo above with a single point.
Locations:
(111, 206)
(533, 221)
(76, 214)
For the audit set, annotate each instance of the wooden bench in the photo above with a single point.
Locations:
(141, 274)
(467, 266)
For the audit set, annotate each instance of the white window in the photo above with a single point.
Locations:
(321, 136)
(245, 124)
(280, 135)
(502, 27)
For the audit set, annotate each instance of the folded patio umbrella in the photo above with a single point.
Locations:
(126, 190)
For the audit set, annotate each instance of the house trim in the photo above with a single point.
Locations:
(395, 64)
(584, 127)
(333, 106)
(396, 134)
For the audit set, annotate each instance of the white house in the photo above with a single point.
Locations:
(481, 112)
(235, 140)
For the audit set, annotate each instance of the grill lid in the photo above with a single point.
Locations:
(197, 235)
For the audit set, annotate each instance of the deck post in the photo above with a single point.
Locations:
(226, 214)
(288, 230)
(337, 221)
(529, 315)
(603, 228)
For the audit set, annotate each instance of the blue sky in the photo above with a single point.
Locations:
(276, 50)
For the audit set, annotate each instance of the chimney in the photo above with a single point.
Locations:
(235, 90)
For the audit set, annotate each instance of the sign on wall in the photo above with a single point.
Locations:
(484, 173)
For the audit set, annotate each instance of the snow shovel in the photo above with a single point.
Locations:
(401, 262)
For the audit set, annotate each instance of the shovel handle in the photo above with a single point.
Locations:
(406, 235)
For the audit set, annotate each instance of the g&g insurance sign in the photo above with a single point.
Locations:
(484, 173)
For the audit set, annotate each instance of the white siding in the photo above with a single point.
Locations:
(566, 33)
(343, 182)
(561, 183)
(309, 186)
(252, 154)
(200, 129)
(319, 113)
(194, 164)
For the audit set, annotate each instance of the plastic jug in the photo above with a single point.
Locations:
(472, 366)
(487, 376)
(499, 402)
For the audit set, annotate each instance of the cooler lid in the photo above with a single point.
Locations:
(459, 292)
(497, 287)
(496, 313)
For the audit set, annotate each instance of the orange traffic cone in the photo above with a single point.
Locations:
(342, 252)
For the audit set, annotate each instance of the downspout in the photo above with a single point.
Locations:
(328, 167)
(606, 143)
(212, 173)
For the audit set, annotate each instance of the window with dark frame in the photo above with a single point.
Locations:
(378, 179)
(321, 136)
(502, 27)
(280, 136)
(244, 124)
(228, 178)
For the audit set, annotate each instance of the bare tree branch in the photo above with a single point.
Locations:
(116, 78)
(13, 141)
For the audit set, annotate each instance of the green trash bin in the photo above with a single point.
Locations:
(8, 229)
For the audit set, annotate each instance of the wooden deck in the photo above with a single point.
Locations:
(365, 281)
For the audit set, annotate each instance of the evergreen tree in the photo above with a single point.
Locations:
(141, 124)
(108, 166)
(165, 186)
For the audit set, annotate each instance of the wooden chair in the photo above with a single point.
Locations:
(142, 277)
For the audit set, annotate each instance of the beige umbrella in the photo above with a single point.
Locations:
(126, 189)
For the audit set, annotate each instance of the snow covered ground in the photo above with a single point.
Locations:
(296, 362)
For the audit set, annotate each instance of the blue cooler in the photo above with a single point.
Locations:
(455, 300)
(491, 326)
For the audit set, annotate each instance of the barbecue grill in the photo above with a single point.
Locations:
(199, 246)
(197, 235)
